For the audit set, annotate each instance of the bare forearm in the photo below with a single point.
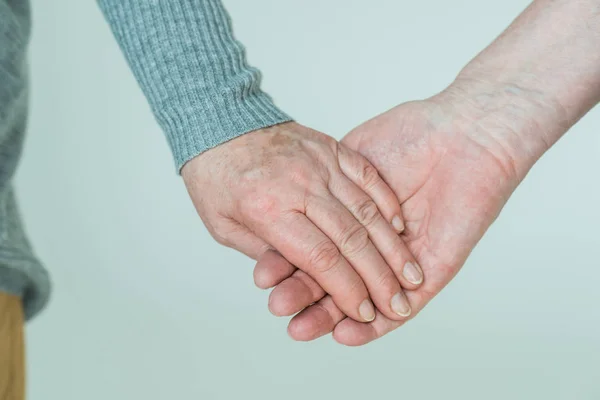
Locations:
(537, 79)
(553, 48)
(12, 360)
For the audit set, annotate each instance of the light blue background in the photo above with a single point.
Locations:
(147, 306)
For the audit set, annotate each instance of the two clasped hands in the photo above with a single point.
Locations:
(356, 237)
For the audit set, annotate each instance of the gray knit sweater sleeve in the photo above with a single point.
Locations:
(192, 71)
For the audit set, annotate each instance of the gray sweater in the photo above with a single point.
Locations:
(192, 71)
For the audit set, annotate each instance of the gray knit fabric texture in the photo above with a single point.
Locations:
(20, 272)
(192, 71)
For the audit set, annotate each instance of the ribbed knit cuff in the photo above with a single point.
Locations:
(211, 122)
(192, 71)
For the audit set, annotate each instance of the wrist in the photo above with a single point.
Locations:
(517, 124)
(524, 91)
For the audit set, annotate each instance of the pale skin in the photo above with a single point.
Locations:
(454, 160)
(321, 205)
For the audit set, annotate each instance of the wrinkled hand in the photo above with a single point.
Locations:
(319, 204)
(452, 171)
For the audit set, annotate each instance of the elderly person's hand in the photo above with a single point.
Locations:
(319, 204)
(455, 159)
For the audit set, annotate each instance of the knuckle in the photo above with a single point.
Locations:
(324, 257)
(356, 289)
(222, 230)
(366, 212)
(367, 174)
(265, 204)
(258, 204)
(219, 237)
(387, 279)
(354, 241)
(331, 144)
(396, 254)
(222, 240)
(300, 176)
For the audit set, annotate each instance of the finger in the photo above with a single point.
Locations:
(271, 269)
(294, 294)
(325, 317)
(386, 240)
(350, 334)
(329, 215)
(307, 247)
(363, 174)
(316, 321)
(295, 290)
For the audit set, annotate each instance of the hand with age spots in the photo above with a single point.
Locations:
(452, 181)
(454, 160)
(318, 203)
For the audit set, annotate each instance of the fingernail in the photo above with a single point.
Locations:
(412, 273)
(397, 224)
(400, 305)
(366, 310)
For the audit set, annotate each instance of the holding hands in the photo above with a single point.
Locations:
(320, 204)
(324, 219)
(452, 184)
